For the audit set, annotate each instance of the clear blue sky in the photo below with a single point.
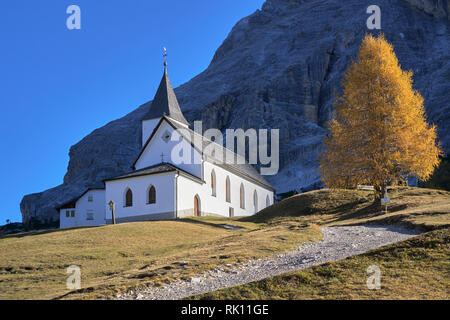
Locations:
(58, 85)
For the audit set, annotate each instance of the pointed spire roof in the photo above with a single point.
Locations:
(165, 102)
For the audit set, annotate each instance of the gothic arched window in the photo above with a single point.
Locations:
(255, 201)
(213, 183)
(151, 195)
(129, 198)
(242, 196)
(227, 190)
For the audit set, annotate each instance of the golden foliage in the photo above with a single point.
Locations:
(380, 134)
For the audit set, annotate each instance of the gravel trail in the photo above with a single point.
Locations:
(338, 243)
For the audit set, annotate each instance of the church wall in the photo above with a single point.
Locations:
(161, 145)
(217, 205)
(87, 213)
(145, 217)
(141, 210)
(67, 222)
(236, 180)
(147, 128)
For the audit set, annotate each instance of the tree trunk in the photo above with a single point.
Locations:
(379, 193)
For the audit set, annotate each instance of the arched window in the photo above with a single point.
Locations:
(255, 201)
(129, 198)
(267, 201)
(151, 195)
(227, 190)
(242, 196)
(213, 183)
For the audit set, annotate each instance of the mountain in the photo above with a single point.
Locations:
(278, 68)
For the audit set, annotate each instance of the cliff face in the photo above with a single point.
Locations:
(278, 68)
(436, 8)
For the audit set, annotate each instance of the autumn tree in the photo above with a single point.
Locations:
(379, 135)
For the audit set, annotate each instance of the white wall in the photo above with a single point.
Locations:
(147, 128)
(83, 205)
(165, 190)
(152, 153)
(187, 189)
(67, 222)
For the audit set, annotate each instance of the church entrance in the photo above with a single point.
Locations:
(196, 206)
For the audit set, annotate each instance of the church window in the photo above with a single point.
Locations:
(267, 201)
(72, 213)
(151, 195)
(129, 198)
(255, 201)
(166, 136)
(213, 183)
(227, 190)
(90, 214)
(90, 198)
(242, 196)
(67, 213)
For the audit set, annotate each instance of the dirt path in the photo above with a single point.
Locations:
(338, 243)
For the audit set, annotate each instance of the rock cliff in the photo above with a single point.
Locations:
(278, 68)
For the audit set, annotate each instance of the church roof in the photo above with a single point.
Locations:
(158, 168)
(71, 203)
(240, 167)
(243, 169)
(165, 102)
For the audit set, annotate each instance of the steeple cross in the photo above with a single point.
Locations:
(165, 56)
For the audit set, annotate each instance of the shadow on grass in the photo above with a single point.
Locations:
(40, 232)
(344, 211)
(209, 224)
(369, 211)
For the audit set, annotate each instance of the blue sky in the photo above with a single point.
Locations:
(58, 85)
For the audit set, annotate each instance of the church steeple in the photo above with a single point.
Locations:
(165, 102)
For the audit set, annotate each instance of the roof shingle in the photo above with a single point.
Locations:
(165, 102)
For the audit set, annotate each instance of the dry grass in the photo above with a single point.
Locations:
(414, 207)
(119, 257)
(415, 269)
(418, 268)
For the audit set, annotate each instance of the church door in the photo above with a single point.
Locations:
(196, 206)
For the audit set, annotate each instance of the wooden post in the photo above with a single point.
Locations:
(385, 200)
(386, 196)
(113, 207)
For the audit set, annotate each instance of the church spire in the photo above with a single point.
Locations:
(165, 102)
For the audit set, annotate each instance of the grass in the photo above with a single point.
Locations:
(114, 258)
(418, 268)
(117, 258)
(426, 209)
(415, 269)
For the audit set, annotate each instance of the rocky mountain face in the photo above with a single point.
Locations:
(278, 68)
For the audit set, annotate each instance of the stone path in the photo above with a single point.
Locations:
(338, 243)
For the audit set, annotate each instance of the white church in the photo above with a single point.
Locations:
(157, 188)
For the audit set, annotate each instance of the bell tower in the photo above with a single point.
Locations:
(164, 103)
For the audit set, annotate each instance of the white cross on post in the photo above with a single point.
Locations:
(112, 207)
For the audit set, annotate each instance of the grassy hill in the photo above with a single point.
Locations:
(414, 269)
(414, 207)
(117, 257)
(114, 258)
(418, 268)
